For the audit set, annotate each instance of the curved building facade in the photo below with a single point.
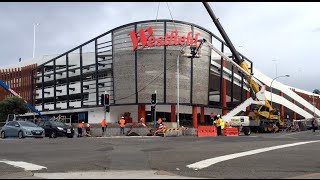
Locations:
(130, 63)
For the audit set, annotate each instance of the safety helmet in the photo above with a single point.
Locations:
(88, 125)
(82, 122)
(122, 117)
(218, 115)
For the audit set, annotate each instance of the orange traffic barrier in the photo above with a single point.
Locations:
(230, 132)
(205, 131)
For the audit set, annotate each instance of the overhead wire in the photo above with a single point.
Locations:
(174, 24)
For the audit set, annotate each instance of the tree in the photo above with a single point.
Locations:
(316, 91)
(12, 105)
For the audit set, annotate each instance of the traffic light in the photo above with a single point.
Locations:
(107, 108)
(102, 99)
(154, 98)
(107, 99)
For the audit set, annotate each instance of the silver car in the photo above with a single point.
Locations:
(21, 129)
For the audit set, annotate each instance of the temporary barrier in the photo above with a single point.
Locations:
(173, 131)
(230, 132)
(204, 131)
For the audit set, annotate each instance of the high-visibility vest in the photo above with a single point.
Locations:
(159, 121)
(122, 122)
(103, 123)
(80, 125)
(221, 123)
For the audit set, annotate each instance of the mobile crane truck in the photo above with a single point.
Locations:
(264, 117)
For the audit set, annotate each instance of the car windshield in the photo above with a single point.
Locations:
(27, 124)
(57, 123)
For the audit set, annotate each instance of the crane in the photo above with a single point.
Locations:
(264, 111)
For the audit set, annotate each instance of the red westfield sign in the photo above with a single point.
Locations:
(167, 40)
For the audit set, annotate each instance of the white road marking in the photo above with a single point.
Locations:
(24, 165)
(208, 162)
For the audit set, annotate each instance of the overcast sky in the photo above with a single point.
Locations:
(282, 35)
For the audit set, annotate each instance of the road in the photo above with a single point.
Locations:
(158, 157)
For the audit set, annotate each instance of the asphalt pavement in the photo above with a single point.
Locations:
(158, 157)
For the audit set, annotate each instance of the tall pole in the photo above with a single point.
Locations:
(178, 102)
(272, 82)
(34, 38)
(155, 112)
(105, 113)
(178, 84)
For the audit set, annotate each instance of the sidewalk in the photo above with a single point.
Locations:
(114, 174)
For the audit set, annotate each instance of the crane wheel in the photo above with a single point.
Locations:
(246, 131)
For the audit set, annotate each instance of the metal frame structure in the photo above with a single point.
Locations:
(99, 49)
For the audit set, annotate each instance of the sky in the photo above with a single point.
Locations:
(279, 37)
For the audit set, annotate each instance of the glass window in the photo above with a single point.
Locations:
(11, 123)
(15, 123)
(47, 123)
(27, 124)
(57, 124)
(41, 123)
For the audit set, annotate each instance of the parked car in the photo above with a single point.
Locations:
(54, 129)
(21, 129)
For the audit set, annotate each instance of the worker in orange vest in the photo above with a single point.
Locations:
(122, 123)
(80, 127)
(103, 126)
(159, 122)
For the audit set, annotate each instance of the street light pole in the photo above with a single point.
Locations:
(178, 77)
(272, 82)
(105, 114)
(34, 38)
(178, 87)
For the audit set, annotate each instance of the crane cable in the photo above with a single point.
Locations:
(167, 67)
(155, 24)
(174, 24)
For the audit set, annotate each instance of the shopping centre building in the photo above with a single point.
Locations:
(135, 60)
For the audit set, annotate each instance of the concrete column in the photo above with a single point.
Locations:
(281, 107)
(141, 111)
(224, 97)
(202, 114)
(173, 113)
(294, 113)
(194, 117)
(224, 92)
(247, 108)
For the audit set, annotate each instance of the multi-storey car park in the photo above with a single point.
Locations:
(135, 60)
